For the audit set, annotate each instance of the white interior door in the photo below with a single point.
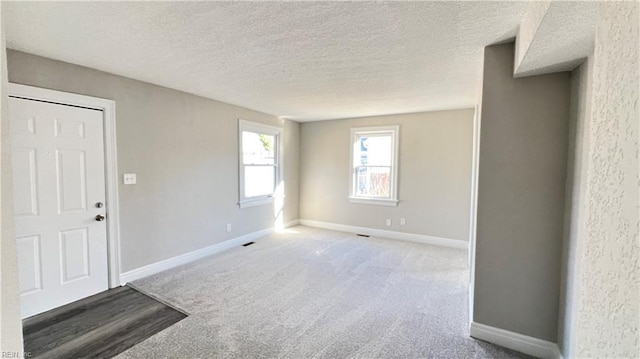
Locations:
(59, 194)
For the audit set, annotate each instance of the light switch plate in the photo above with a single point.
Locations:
(129, 178)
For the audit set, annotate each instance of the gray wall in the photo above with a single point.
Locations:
(184, 149)
(521, 185)
(11, 330)
(434, 183)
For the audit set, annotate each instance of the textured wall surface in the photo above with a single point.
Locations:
(521, 185)
(11, 325)
(575, 204)
(299, 60)
(434, 177)
(555, 36)
(184, 149)
(607, 325)
(531, 19)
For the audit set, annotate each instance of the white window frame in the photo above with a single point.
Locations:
(244, 125)
(395, 138)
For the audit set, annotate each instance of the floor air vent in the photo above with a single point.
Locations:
(248, 244)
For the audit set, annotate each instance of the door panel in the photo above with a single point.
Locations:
(25, 185)
(68, 128)
(30, 264)
(58, 171)
(23, 126)
(74, 248)
(72, 181)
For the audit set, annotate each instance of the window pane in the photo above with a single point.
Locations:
(259, 180)
(258, 148)
(373, 181)
(373, 150)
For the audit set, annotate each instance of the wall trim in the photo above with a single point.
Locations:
(293, 223)
(410, 237)
(519, 342)
(108, 108)
(176, 261)
(473, 208)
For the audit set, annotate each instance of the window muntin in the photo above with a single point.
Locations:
(374, 165)
(260, 162)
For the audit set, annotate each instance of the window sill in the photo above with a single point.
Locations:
(376, 201)
(255, 202)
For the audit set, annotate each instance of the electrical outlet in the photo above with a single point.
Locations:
(129, 178)
(388, 222)
(403, 221)
(228, 227)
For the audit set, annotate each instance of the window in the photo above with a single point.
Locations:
(374, 165)
(260, 163)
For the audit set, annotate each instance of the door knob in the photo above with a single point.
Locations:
(100, 218)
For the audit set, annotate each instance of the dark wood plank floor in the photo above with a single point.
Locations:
(100, 326)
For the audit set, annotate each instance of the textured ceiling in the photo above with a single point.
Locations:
(299, 60)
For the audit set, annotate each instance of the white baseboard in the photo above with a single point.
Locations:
(293, 223)
(444, 242)
(191, 256)
(521, 343)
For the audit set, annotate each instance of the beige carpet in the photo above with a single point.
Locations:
(312, 293)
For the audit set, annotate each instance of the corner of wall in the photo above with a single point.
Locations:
(520, 208)
(11, 324)
(574, 215)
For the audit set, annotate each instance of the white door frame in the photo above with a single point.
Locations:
(108, 108)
